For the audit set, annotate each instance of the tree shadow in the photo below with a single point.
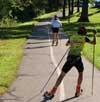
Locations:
(39, 42)
(15, 32)
(98, 11)
(37, 47)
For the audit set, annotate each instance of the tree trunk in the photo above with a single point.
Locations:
(78, 6)
(50, 5)
(84, 13)
(72, 7)
(69, 6)
(64, 8)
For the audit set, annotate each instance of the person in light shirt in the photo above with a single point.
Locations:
(55, 25)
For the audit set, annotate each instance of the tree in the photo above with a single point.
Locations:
(27, 9)
(84, 13)
(4, 8)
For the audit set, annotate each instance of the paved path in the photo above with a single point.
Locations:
(38, 62)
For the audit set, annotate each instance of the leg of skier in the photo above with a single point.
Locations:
(78, 86)
(54, 89)
(57, 37)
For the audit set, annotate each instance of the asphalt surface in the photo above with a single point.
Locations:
(39, 61)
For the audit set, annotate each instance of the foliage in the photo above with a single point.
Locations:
(24, 10)
(4, 8)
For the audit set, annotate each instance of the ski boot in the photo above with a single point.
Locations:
(78, 91)
(48, 96)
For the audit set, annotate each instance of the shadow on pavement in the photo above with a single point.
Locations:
(37, 47)
(68, 99)
(78, 98)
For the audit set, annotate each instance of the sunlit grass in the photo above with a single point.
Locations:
(11, 52)
(28, 23)
(47, 15)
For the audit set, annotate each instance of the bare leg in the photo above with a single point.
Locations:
(79, 81)
(53, 38)
(59, 80)
(57, 37)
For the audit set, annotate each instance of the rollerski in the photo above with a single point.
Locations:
(47, 96)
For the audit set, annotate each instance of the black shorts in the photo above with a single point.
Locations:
(73, 61)
(55, 30)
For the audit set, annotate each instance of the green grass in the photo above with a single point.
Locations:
(88, 52)
(72, 27)
(11, 52)
(47, 15)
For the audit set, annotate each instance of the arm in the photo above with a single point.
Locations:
(94, 38)
(60, 23)
(51, 23)
(68, 42)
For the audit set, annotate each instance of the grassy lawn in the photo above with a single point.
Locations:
(72, 27)
(10, 54)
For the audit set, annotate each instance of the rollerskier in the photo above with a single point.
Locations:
(76, 43)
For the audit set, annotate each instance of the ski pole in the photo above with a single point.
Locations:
(93, 68)
(94, 31)
(60, 35)
(53, 71)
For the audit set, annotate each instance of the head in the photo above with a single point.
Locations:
(55, 17)
(82, 30)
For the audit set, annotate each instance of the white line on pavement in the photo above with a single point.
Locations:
(62, 93)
